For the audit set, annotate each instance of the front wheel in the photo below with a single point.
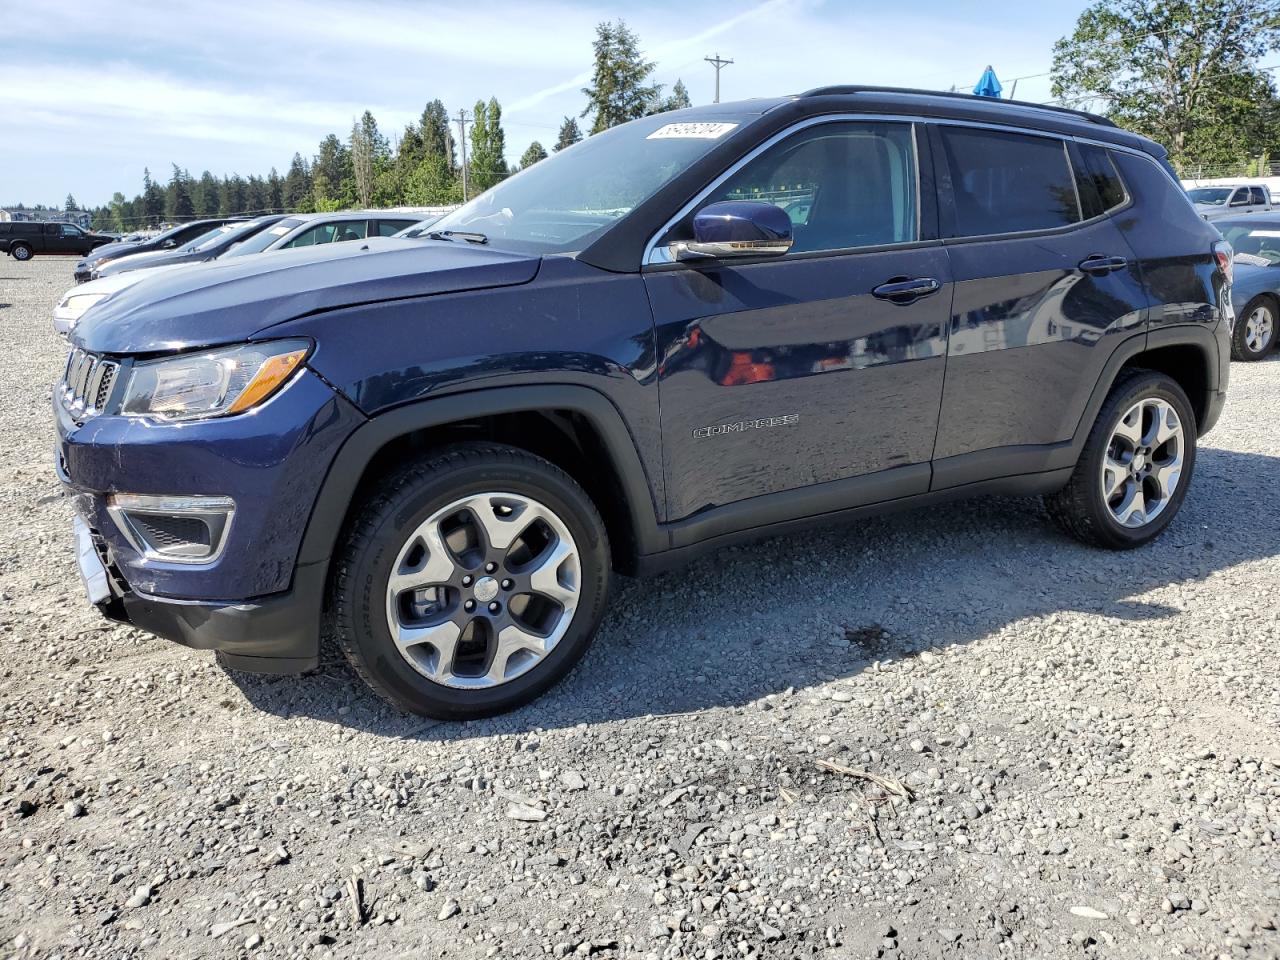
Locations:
(470, 582)
(1255, 331)
(1137, 463)
(20, 251)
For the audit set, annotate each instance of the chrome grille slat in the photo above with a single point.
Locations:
(87, 383)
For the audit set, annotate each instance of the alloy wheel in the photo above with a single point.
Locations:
(1259, 329)
(1143, 462)
(483, 590)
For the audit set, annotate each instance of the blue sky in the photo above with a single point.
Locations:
(233, 86)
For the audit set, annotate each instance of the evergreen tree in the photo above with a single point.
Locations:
(678, 99)
(569, 134)
(487, 163)
(119, 220)
(256, 194)
(232, 199)
(177, 199)
(296, 190)
(531, 156)
(619, 89)
(206, 194)
(362, 162)
(333, 179)
(436, 136)
(70, 204)
(152, 200)
(275, 192)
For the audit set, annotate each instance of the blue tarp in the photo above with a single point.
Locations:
(988, 85)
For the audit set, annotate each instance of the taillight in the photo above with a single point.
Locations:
(1223, 253)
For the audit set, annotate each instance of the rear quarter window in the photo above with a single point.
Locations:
(1008, 182)
(1101, 189)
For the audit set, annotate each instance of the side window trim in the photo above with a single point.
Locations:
(655, 255)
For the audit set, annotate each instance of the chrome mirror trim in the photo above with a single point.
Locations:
(685, 250)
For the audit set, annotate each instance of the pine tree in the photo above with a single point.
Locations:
(206, 195)
(531, 156)
(152, 200)
(569, 134)
(487, 163)
(177, 200)
(435, 133)
(619, 91)
(275, 192)
(70, 204)
(678, 100)
(332, 176)
(296, 190)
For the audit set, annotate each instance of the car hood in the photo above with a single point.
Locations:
(230, 301)
(116, 249)
(117, 281)
(150, 258)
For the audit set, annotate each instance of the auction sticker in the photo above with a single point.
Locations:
(691, 131)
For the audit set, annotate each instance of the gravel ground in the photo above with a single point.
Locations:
(941, 734)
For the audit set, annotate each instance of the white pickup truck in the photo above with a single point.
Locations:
(1230, 199)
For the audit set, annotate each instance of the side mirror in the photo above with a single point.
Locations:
(736, 228)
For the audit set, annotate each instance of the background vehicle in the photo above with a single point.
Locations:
(628, 354)
(1255, 289)
(213, 243)
(168, 240)
(312, 229)
(1227, 200)
(418, 229)
(22, 240)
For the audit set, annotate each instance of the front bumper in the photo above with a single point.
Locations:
(253, 602)
(277, 634)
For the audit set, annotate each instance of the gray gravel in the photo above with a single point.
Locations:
(1071, 751)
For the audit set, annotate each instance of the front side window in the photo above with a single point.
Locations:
(389, 228)
(842, 184)
(323, 233)
(71, 230)
(263, 239)
(1008, 182)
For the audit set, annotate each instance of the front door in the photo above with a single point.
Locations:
(825, 365)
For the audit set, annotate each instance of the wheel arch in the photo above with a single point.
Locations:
(575, 427)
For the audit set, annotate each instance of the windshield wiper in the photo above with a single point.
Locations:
(460, 234)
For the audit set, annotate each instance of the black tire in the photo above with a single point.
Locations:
(1080, 507)
(382, 524)
(20, 251)
(1241, 350)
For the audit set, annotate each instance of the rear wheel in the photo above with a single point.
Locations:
(1135, 468)
(20, 251)
(1255, 331)
(471, 582)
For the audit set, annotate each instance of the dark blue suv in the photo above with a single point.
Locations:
(692, 329)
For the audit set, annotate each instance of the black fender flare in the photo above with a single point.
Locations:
(348, 467)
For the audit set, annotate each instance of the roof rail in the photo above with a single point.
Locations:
(840, 89)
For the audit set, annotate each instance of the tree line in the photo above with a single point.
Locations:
(419, 166)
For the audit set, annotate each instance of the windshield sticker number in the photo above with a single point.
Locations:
(691, 131)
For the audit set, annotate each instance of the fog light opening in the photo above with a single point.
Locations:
(178, 529)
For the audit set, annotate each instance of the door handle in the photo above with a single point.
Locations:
(1102, 265)
(902, 291)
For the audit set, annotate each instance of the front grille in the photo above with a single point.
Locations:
(87, 382)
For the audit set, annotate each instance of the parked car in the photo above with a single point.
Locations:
(1228, 200)
(213, 243)
(170, 239)
(625, 356)
(1255, 290)
(22, 239)
(312, 229)
(73, 304)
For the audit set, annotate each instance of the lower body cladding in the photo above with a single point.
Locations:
(191, 531)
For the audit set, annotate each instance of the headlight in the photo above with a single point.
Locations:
(77, 303)
(214, 384)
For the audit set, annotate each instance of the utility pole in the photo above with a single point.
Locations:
(719, 65)
(462, 139)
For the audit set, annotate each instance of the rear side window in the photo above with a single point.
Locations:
(1257, 195)
(5, 228)
(1101, 188)
(1008, 182)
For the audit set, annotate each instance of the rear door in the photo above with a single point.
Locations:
(1045, 288)
(781, 374)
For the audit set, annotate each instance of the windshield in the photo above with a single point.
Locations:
(1214, 195)
(559, 204)
(265, 238)
(207, 238)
